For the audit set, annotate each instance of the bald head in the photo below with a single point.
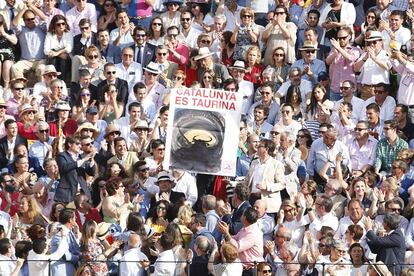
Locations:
(134, 241)
(203, 244)
(260, 207)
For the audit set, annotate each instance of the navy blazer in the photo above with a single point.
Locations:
(70, 176)
(121, 86)
(234, 220)
(390, 249)
(78, 47)
(4, 149)
(149, 54)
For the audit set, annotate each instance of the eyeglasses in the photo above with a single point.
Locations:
(88, 144)
(84, 28)
(205, 41)
(140, 35)
(93, 56)
(246, 16)
(18, 88)
(359, 129)
(60, 24)
(344, 88)
(172, 35)
(342, 37)
(157, 24)
(274, 133)
(186, 19)
(310, 51)
(162, 54)
(111, 72)
(43, 130)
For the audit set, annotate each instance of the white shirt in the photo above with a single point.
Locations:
(358, 108)
(39, 150)
(131, 75)
(38, 264)
(5, 221)
(125, 40)
(362, 156)
(402, 35)
(386, 109)
(73, 17)
(293, 127)
(327, 220)
(125, 129)
(7, 265)
(164, 265)
(187, 185)
(343, 226)
(372, 73)
(305, 88)
(130, 265)
(246, 89)
(148, 107)
(191, 39)
(40, 87)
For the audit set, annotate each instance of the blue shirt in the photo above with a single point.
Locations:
(32, 42)
(317, 66)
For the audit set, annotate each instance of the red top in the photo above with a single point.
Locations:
(68, 129)
(255, 75)
(14, 208)
(191, 76)
(93, 214)
(29, 133)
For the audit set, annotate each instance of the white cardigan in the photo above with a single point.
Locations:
(348, 15)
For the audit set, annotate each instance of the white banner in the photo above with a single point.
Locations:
(203, 131)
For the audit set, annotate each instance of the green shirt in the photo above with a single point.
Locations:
(387, 153)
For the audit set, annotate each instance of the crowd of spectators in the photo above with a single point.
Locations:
(324, 175)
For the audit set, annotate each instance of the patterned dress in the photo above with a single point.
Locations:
(95, 252)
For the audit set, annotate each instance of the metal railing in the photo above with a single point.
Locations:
(117, 265)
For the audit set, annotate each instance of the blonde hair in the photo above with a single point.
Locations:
(184, 215)
(34, 209)
(259, 54)
(393, 184)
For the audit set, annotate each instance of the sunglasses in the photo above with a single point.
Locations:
(88, 144)
(114, 133)
(246, 16)
(156, 24)
(144, 170)
(140, 35)
(111, 72)
(84, 28)
(30, 112)
(177, 78)
(43, 130)
(278, 55)
(205, 41)
(18, 88)
(279, 13)
(207, 77)
(30, 19)
(301, 136)
(162, 54)
(60, 24)
(186, 19)
(172, 35)
(93, 56)
(267, 271)
(85, 94)
(161, 149)
(359, 129)
(370, 17)
(344, 88)
(310, 51)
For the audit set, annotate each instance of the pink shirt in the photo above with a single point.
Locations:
(143, 9)
(342, 69)
(406, 88)
(249, 242)
(183, 51)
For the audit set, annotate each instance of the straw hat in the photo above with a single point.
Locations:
(110, 129)
(26, 108)
(141, 124)
(374, 35)
(63, 106)
(308, 45)
(88, 125)
(202, 53)
(50, 69)
(152, 67)
(238, 65)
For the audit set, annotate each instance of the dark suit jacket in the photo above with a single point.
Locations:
(149, 54)
(4, 149)
(78, 47)
(122, 87)
(74, 93)
(71, 175)
(234, 220)
(389, 249)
